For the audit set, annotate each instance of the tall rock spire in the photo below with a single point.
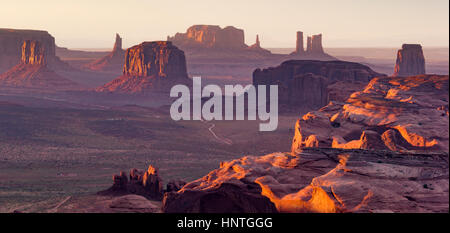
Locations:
(118, 43)
(299, 45)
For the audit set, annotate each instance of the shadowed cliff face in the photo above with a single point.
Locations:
(304, 83)
(410, 61)
(150, 66)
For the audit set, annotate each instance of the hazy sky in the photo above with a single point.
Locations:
(344, 23)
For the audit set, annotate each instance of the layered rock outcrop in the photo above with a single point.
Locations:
(319, 181)
(147, 184)
(210, 36)
(11, 41)
(111, 62)
(410, 61)
(405, 114)
(32, 70)
(304, 83)
(150, 66)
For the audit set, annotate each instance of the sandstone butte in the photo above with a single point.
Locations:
(111, 62)
(150, 67)
(11, 41)
(365, 155)
(410, 61)
(33, 72)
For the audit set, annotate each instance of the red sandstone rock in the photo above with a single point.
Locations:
(391, 113)
(150, 66)
(410, 61)
(319, 181)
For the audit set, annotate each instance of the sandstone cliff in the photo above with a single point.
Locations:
(112, 62)
(33, 72)
(304, 83)
(410, 60)
(150, 66)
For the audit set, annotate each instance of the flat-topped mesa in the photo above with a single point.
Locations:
(210, 36)
(33, 53)
(150, 66)
(410, 60)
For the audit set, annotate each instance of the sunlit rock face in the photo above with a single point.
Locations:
(32, 70)
(111, 62)
(318, 181)
(392, 113)
(305, 83)
(150, 66)
(210, 36)
(410, 61)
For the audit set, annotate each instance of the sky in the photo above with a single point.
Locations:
(343, 23)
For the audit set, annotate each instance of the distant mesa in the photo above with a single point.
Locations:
(111, 62)
(305, 84)
(210, 36)
(150, 67)
(32, 70)
(410, 60)
(11, 41)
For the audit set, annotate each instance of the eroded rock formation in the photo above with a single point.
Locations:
(304, 83)
(319, 181)
(32, 70)
(111, 62)
(150, 66)
(147, 184)
(410, 60)
(392, 113)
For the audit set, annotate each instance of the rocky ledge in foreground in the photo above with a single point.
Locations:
(320, 180)
(392, 113)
